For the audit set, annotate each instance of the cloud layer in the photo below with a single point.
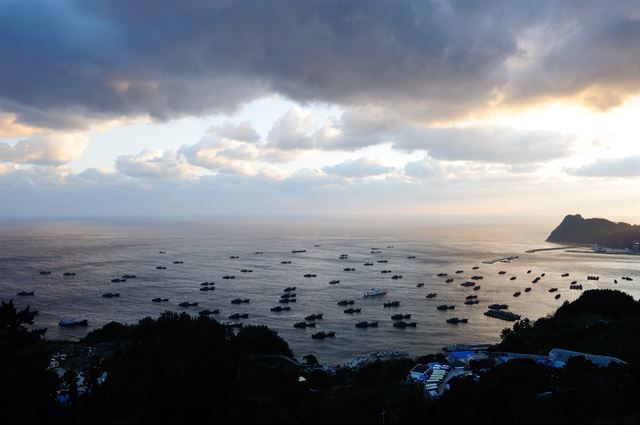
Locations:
(423, 59)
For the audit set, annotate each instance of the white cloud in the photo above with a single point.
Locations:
(292, 131)
(616, 167)
(358, 168)
(155, 164)
(45, 149)
(242, 132)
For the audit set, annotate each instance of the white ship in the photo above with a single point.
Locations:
(374, 292)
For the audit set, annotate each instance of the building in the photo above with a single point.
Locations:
(563, 356)
(419, 372)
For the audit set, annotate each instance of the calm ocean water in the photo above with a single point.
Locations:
(98, 251)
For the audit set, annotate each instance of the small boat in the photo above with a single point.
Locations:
(477, 287)
(162, 252)
(298, 251)
(178, 262)
(420, 285)
(445, 307)
(208, 288)
(528, 271)
(498, 306)
(334, 282)
(208, 312)
(557, 296)
(234, 257)
(541, 274)
(317, 246)
(512, 278)
(396, 277)
(68, 274)
(476, 277)
(527, 289)
(207, 283)
(385, 271)
(188, 304)
(323, 335)
(70, 323)
(246, 271)
(411, 257)
(503, 315)
(402, 324)
(118, 280)
(449, 280)
(128, 276)
(236, 316)
(161, 268)
(288, 295)
(564, 275)
(346, 302)
(441, 274)
(366, 324)
(258, 253)
(382, 261)
(289, 289)
(468, 283)
(431, 295)
(391, 304)
(352, 310)
(517, 293)
(25, 293)
(374, 292)
(459, 271)
(349, 269)
(303, 325)
(553, 289)
(471, 297)
(44, 272)
(239, 300)
(578, 287)
(313, 317)
(111, 295)
(228, 277)
(278, 309)
(285, 262)
(455, 320)
(472, 302)
(475, 267)
(400, 316)
(368, 264)
(309, 275)
(502, 272)
(159, 300)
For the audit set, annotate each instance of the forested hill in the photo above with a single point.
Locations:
(575, 229)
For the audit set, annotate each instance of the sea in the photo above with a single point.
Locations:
(100, 250)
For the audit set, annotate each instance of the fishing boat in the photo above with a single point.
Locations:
(374, 292)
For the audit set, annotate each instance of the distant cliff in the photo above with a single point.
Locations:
(575, 229)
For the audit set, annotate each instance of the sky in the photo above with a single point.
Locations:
(364, 107)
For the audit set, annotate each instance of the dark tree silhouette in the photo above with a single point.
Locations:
(27, 387)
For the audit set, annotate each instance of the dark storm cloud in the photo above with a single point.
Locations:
(66, 63)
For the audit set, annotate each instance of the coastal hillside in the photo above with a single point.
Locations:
(576, 229)
(178, 369)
